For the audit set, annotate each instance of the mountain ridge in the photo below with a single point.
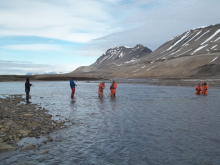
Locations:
(186, 55)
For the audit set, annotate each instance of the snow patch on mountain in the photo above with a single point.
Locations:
(202, 35)
(179, 40)
(132, 60)
(186, 44)
(214, 59)
(151, 68)
(211, 36)
(214, 46)
(198, 49)
(217, 39)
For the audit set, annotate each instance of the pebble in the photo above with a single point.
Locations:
(44, 151)
(28, 147)
(28, 115)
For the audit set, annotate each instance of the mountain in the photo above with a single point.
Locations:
(121, 55)
(192, 54)
(115, 57)
(37, 73)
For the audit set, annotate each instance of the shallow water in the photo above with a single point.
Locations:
(142, 125)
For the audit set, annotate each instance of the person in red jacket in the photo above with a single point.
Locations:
(101, 88)
(198, 89)
(113, 88)
(205, 88)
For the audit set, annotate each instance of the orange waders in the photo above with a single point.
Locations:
(101, 88)
(113, 89)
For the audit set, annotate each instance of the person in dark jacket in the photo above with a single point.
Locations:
(27, 89)
(72, 86)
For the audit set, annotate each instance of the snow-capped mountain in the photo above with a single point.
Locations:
(194, 53)
(45, 73)
(115, 57)
(196, 41)
(122, 55)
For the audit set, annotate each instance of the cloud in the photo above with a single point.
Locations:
(153, 22)
(97, 25)
(36, 47)
(76, 21)
(21, 68)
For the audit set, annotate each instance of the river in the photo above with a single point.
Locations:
(143, 124)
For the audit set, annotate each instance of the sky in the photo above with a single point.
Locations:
(53, 35)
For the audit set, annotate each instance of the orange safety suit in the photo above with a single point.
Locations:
(198, 89)
(205, 89)
(113, 89)
(100, 90)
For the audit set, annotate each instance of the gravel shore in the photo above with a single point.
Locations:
(19, 120)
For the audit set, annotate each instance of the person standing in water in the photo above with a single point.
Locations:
(72, 86)
(113, 88)
(27, 89)
(101, 88)
(198, 89)
(205, 88)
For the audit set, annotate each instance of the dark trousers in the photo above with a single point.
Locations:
(27, 95)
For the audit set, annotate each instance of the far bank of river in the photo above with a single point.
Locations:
(150, 81)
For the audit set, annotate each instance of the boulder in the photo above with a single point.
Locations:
(5, 147)
(28, 147)
(48, 115)
(28, 115)
(24, 133)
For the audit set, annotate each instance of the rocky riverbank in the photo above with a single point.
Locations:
(19, 120)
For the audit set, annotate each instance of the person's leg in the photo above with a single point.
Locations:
(27, 95)
(111, 93)
(114, 92)
(73, 92)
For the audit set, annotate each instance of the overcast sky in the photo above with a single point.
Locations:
(55, 35)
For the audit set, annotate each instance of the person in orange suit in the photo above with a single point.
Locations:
(205, 88)
(113, 88)
(198, 89)
(101, 88)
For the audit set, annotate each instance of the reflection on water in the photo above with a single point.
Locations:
(141, 125)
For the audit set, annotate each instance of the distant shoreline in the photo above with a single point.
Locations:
(5, 78)
(150, 81)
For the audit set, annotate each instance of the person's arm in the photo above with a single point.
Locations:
(29, 84)
(71, 83)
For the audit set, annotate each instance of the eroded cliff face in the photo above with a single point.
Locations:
(194, 53)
